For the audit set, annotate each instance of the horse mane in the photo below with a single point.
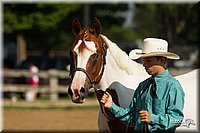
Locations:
(122, 59)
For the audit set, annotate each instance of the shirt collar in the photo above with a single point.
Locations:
(161, 76)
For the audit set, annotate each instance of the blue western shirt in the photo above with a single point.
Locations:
(166, 110)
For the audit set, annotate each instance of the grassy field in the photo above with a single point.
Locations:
(40, 103)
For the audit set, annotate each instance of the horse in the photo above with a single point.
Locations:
(98, 63)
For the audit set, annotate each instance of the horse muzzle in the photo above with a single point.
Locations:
(78, 96)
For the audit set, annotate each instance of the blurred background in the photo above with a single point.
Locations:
(36, 42)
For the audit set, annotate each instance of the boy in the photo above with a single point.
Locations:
(157, 104)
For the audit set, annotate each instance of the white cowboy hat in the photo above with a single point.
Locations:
(153, 47)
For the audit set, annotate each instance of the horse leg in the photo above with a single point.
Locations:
(103, 123)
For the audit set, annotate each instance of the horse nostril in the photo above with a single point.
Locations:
(70, 91)
(82, 90)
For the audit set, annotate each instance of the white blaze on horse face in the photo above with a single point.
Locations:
(91, 46)
(82, 59)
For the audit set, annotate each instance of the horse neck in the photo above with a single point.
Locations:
(119, 67)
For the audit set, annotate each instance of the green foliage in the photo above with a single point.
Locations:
(119, 33)
(146, 20)
(44, 26)
(174, 22)
(48, 26)
(23, 17)
(108, 14)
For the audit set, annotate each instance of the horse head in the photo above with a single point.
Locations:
(87, 59)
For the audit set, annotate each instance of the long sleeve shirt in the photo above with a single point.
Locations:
(166, 110)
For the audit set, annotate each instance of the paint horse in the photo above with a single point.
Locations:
(99, 63)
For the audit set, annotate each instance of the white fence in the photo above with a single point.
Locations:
(53, 88)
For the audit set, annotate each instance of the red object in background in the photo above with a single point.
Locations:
(34, 80)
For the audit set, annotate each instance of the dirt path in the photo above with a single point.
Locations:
(50, 120)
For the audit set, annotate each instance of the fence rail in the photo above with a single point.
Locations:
(53, 88)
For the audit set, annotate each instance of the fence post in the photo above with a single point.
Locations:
(53, 82)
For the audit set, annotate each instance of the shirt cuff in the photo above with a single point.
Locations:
(114, 108)
(154, 119)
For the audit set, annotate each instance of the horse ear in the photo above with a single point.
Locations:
(76, 26)
(97, 26)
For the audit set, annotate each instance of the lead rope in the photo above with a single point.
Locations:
(99, 100)
(153, 88)
(111, 118)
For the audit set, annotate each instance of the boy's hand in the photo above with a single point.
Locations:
(144, 116)
(107, 100)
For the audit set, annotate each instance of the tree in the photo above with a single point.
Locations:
(170, 21)
(39, 25)
(47, 27)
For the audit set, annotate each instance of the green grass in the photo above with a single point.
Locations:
(52, 107)
(34, 106)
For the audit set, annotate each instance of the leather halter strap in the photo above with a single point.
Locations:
(84, 71)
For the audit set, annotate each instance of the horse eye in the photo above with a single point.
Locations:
(96, 55)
